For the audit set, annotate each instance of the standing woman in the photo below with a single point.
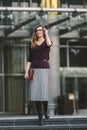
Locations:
(39, 60)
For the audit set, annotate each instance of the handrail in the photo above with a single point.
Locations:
(43, 9)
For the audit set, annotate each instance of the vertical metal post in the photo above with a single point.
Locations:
(68, 54)
(3, 78)
(26, 87)
(76, 95)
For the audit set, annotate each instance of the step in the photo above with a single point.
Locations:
(54, 123)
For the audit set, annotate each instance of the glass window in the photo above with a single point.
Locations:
(1, 95)
(82, 85)
(36, 1)
(14, 59)
(76, 2)
(73, 55)
(12, 82)
(1, 88)
(7, 2)
(63, 1)
(14, 94)
(0, 59)
(63, 57)
(69, 85)
(77, 56)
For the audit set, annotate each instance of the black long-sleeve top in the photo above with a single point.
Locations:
(39, 56)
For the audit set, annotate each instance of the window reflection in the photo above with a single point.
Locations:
(77, 57)
(74, 54)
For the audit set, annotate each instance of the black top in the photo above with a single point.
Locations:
(39, 56)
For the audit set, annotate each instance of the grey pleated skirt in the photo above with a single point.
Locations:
(39, 87)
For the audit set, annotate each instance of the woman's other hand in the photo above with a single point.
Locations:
(26, 76)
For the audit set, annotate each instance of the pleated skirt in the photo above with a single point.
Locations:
(39, 87)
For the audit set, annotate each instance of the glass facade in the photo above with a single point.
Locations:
(13, 52)
(12, 82)
(74, 77)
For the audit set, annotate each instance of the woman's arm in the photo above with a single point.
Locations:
(27, 69)
(48, 40)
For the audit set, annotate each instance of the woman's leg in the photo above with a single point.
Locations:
(39, 110)
(45, 104)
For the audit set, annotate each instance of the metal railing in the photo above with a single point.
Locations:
(43, 9)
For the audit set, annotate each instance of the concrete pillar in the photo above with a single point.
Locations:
(54, 71)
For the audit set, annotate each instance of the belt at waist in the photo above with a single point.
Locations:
(39, 60)
(40, 63)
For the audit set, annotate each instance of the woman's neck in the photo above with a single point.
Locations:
(40, 39)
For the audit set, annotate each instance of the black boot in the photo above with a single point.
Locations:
(39, 110)
(45, 103)
(40, 120)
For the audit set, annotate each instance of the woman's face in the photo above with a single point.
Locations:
(39, 32)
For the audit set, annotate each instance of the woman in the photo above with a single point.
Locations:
(38, 60)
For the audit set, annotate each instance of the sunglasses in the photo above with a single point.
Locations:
(39, 30)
